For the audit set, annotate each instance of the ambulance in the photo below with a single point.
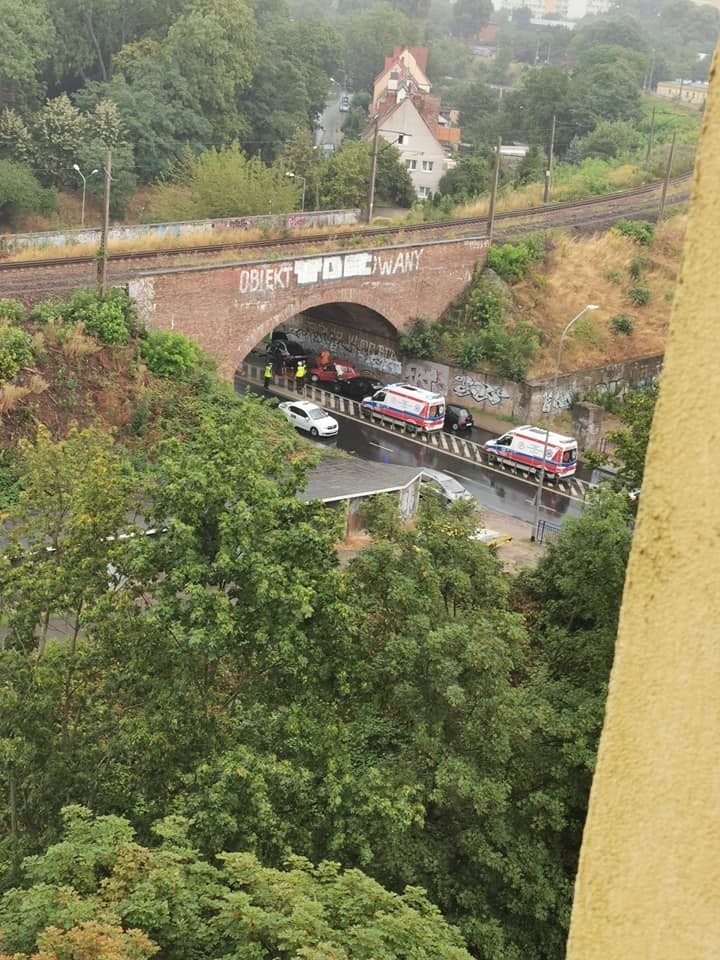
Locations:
(523, 448)
(412, 407)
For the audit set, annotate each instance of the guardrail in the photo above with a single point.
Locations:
(447, 442)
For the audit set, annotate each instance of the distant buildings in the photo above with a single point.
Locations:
(570, 9)
(408, 116)
(693, 92)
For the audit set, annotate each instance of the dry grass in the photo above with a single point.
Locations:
(150, 242)
(596, 270)
(11, 395)
(78, 344)
(37, 384)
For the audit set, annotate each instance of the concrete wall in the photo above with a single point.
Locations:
(140, 231)
(648, 885)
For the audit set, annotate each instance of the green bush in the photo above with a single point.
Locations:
(622, 323)
(421, 341)
(169, 354)
(613, 276)
(639, 230)
(512, 261)
(484, 304)
(47, 311)
(637, 267)
(639, 294)
(111, 319)
(16, 351)
(12, 311)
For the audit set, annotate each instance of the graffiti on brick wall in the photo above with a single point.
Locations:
(363, 351)
(429, 376)
(481, 391)
(142, 291)
(312, 270)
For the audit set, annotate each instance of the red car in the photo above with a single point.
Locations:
(331, 372)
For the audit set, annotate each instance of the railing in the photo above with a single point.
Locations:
(546, 531)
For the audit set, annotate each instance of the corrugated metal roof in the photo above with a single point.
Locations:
(342, 478)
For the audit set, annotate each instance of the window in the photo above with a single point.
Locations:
(411, 164)
(401, 138)
(423, 192)
(427, 165)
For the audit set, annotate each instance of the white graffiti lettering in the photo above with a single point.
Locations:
(480, 390)
(562, 400)
(326, 269)
(265, 279)
(362, 351)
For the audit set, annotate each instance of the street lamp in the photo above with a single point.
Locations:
(296, 176)
(541, 480)
(84, 183)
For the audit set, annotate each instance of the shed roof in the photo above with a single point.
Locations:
(343, 478)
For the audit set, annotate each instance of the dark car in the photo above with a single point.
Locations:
(457, 418)
(286, 353)
(357, 388)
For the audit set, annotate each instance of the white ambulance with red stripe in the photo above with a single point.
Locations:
(523, 448)
(416, 409)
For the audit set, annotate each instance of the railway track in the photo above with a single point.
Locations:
(34, 279)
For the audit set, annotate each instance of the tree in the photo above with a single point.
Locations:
(528, 113)
(479, 107)
(469, 178)
(25, 38)
(623, 32)
(223, 183)
(213, 44)
(20, 192)
(345, 177)
(370, 35)
(154, 102)
(532, 166)
(470, 16)
(631, 441)
(635, 61)
(604, 92)
(611, 139)
(392, 180)
(167, 897)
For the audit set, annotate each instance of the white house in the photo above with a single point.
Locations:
(406, 128)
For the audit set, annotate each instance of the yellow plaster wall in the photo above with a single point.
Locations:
(649, 879)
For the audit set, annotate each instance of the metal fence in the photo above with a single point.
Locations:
(546, 532)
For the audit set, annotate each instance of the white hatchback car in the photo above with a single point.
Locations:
(444, 485)
(310, 417)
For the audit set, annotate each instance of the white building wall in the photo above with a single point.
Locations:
(420, 152)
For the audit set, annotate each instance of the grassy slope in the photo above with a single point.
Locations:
(596, 270)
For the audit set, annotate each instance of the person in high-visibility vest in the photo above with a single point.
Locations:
(300, 372)
(267, 375)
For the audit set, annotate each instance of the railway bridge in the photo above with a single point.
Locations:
(374, 293)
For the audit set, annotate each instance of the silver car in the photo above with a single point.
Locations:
(444, 485)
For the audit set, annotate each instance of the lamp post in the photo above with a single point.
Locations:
(541, 480)
(84, 183)
(296, 176)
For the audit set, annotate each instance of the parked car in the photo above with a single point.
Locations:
(344, 103)
(443, 485)
(309, 417)
(357, 388)
(330, 373)
(287, 353)
(457, 418)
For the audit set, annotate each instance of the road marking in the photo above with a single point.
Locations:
(389, 449)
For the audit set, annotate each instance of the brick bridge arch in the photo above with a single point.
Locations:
(227, 309)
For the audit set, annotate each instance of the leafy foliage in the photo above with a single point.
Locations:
(639, 294)
(20, 192)
(631, 441)
(169, 354)
(642, 231)
(512, 261)
(16, 351)
(622, 323)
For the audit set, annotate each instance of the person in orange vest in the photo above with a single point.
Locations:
(300, 372)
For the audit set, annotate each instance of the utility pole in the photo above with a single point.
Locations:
(651, 137)
(493, 195)
(373, 169)
(661, 211)
(548, 172)
(103, 252)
